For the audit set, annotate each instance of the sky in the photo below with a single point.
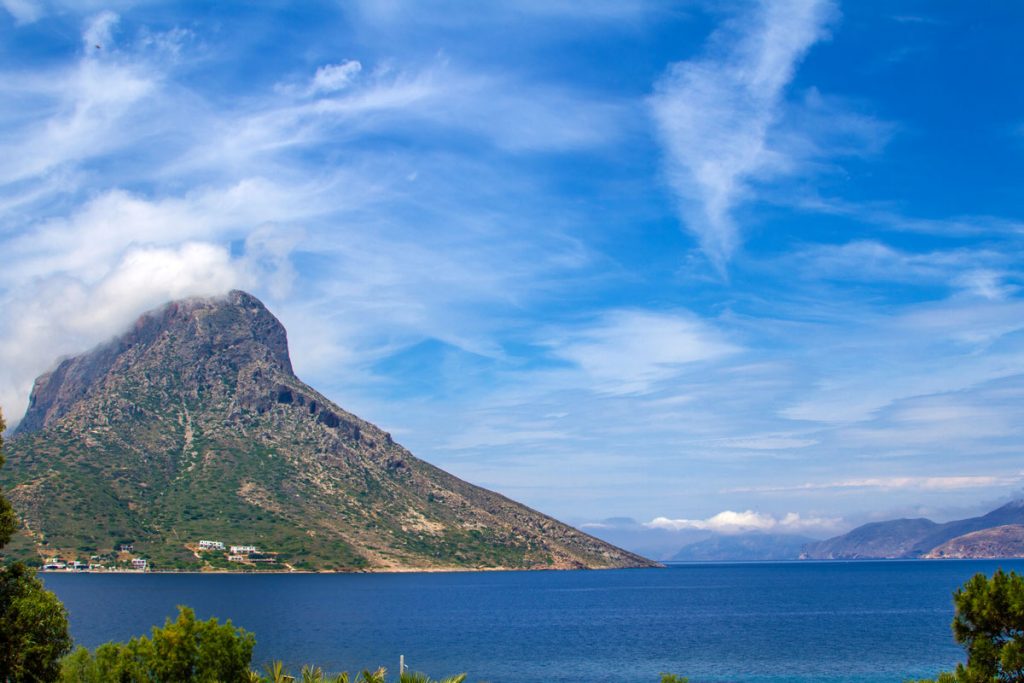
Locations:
(717, 266)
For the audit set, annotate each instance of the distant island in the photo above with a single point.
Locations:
(998, 534)
(188, 443)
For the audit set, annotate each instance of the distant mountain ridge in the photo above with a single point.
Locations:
(192, 426)
(911, 538)
(746, 547)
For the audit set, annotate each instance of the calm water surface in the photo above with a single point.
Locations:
(840, 622)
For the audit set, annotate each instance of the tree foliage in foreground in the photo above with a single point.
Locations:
(183, 650)
(33, 622)
(989, 623)
(191, 651)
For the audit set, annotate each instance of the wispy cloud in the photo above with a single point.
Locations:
(415, 240)
(716, 115)
(953, 483)
(630, 351)
(768, 442)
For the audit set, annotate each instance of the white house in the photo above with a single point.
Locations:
(139, 564)
(211, 545)
(243, 549)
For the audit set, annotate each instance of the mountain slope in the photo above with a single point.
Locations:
(898, 538)
(193, 426)
(1011, 513)
(997, 542)
(906, 538)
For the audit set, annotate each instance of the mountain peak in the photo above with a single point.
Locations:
(187, 333)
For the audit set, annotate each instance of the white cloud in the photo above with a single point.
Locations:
(715, 115)
(23, 11)
(60, 315)
(334, 77)
(729, 522)
(89, 241)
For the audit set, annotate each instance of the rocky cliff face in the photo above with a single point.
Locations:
(193, 426)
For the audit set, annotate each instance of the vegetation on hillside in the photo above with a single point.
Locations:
(33, 622)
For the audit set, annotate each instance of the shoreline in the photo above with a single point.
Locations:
(389, 570)
(464, 570)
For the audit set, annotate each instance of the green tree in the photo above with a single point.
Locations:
(989, 623)
(277, 674)
(312, 674)
(377, 676)
(184, 650)
(33, 622)
(416, 677)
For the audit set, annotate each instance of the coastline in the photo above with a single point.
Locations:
(376, 570)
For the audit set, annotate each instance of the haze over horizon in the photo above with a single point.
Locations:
(712, 267)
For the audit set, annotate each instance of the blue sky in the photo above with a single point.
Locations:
(744, 265)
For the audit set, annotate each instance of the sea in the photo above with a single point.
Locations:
(839, 622)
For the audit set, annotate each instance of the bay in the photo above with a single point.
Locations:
(840, 622)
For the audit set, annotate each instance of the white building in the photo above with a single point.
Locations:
(211, 545)
(243, 549)
(139, 564)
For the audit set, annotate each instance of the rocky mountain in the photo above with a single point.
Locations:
(898, 538)
(994, 543)
(908, 538)
(192, 426)
(747, 547)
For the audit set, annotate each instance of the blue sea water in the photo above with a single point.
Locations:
(856, 622)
